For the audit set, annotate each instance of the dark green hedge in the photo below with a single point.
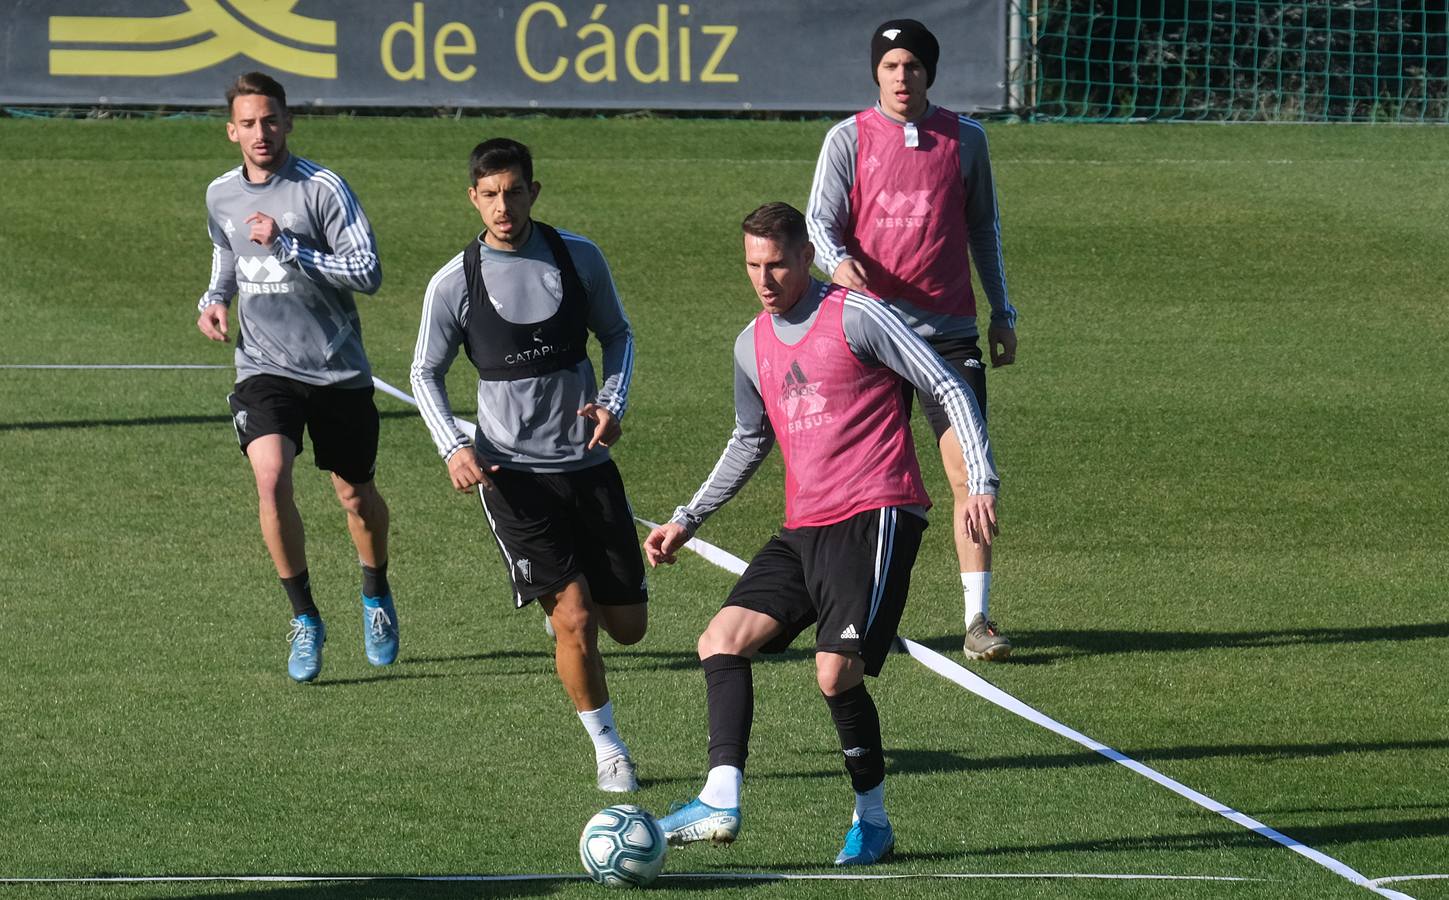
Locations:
(1321, 60)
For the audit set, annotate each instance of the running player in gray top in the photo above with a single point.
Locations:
(902, 205)
(521, 301)
(291, 243)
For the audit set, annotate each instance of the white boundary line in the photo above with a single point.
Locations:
(105, 366)
(932, 660)
(680, 876)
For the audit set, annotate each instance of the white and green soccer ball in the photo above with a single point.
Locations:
(623, 846)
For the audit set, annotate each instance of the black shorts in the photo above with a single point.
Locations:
(850, 579)
(342, 422)
(553, 527)
(963, 357)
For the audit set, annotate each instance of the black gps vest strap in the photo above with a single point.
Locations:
(506, 351)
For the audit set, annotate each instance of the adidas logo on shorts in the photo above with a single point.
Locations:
(849, 634)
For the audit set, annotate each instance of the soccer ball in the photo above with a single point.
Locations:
(623, 846)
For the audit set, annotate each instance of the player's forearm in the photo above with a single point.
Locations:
(747, 448)
(618, 362)
(428, 376)
(986, 256)
(960, 405)
(222, 285)
(360, 270)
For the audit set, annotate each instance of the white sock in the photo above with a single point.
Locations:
(600, 725)
(722, 787)
(870, 807)
(975, 586)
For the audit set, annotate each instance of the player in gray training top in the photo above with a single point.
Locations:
(290, 242)
(902, 193)
(521, 300)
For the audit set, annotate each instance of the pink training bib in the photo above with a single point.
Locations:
(907, 224)
(841, 425)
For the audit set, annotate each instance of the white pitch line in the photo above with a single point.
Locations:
(683, 876)
(110, 366)
(1393, 878)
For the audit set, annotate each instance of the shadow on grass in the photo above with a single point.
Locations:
(929, 762)
(152, 421)
(374, 679)
(1312, 835)
(619, 659)
(386, 888)
(1048, 646)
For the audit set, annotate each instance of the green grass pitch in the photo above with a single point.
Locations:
(1223, 547)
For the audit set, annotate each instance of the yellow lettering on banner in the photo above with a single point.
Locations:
(520, 42)
(683, 46)
(660, 33)
(597, 59)
(727, 36)
(442, 50)
(416, 71)
(606, 48)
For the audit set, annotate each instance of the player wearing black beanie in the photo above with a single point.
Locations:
(905, 34)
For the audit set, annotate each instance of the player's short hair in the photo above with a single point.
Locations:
(255, 83)
(499, 155)
(779, 222)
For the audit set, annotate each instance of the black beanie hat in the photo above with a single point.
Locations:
(907, 34)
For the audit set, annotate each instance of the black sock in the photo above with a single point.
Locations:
(299, 591)
(858, 724)
(374, 581)
(730, 694)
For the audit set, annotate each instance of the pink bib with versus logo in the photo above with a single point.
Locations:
(907, 223)
(841, 425)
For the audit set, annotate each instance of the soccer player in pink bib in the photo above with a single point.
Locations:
(902, 203)
(820, 371)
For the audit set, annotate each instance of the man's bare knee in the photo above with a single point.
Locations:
(836, 673)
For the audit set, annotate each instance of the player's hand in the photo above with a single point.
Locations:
(978, 519)
(212, 321)
(465, 472)
(607, 429)
(264, 228)
(850, 274)
(1002, 341)
(664, 542)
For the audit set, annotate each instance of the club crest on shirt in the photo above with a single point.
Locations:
(289, 220)
(553, 283)
(229, 227)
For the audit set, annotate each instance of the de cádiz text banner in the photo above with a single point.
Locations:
(699, 54)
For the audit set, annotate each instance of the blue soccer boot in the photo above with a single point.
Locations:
(696, 820)
(866, 845)
(307, 636)
(379, 630)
